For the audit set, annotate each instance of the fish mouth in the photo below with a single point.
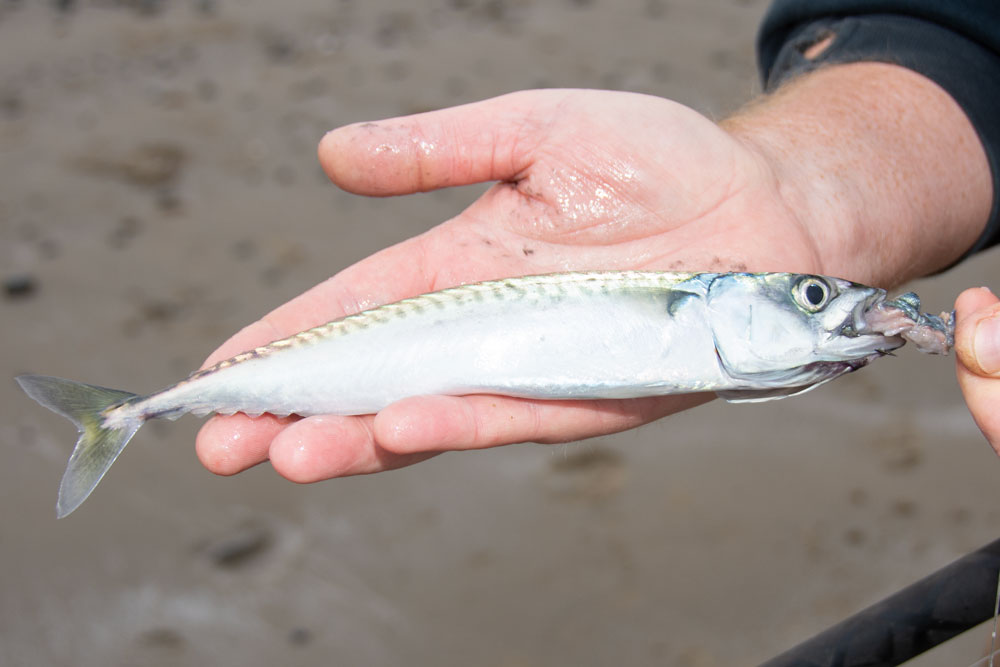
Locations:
(858, 323)
(860, 338)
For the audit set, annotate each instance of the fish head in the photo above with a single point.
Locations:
(783, 329)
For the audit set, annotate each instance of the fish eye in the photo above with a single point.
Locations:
(812, 294)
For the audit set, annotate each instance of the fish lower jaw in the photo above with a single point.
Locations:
(863, 346)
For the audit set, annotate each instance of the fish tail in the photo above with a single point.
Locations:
(98, 446)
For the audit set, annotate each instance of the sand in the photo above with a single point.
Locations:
(160, 190)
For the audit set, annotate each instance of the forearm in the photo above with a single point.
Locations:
(879, 163)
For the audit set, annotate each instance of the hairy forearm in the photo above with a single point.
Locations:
(879, 163)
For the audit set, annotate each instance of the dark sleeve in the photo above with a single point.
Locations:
(955, 43)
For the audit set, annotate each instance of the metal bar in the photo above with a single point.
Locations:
(914, 620)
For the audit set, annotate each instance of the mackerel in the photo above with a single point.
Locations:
(593, 335)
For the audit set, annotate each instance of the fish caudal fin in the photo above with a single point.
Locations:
(98, 446)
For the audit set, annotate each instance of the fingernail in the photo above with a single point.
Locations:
(987, 344)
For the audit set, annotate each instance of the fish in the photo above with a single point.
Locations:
(582, 335)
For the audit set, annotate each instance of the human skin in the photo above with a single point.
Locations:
(850, 171)
(977, 346)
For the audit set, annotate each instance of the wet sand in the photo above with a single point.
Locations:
(160, 190)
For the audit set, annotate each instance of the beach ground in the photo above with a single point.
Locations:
(160, 191)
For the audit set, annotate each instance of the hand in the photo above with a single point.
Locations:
(977, 344)
(587, 180)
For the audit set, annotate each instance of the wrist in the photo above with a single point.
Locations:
(879, 163)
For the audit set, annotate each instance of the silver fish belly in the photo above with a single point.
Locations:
(558, 336)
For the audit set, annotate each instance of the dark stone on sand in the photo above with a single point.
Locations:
(19, 286)
(238, 547)
(299, 636)
(162, 638)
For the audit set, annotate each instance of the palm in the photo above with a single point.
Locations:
(588, 180)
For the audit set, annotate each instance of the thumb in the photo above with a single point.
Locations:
(977, 332)
(490, 140)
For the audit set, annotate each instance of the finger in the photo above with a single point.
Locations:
(977, 331)
(484, 141)
(228, 445)
(982, 396)
(439, 423)
(323, 447)
(976, 310)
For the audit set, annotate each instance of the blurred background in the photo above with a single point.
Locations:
(160, 190)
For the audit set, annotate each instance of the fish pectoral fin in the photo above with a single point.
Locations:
(774, 393)
(761, 395)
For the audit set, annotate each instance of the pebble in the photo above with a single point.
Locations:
(19, 286)
(239, 546)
